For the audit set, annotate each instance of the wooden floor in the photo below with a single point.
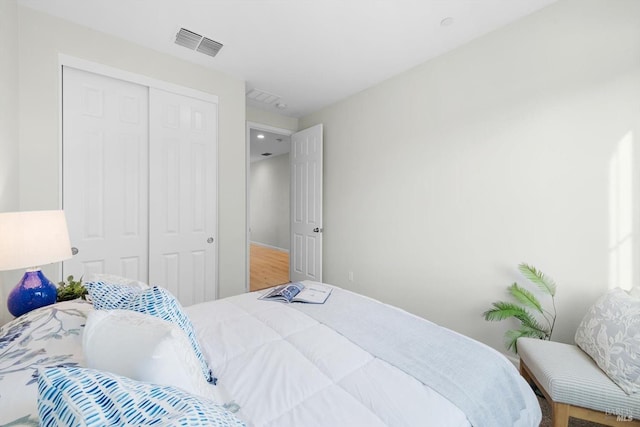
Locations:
(269, 267)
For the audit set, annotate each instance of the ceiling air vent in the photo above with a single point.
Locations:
(209, 47)
(267, 154)
(259, 95)
(195, 41)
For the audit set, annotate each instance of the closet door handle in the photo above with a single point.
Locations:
(210, 240)
(74, 251)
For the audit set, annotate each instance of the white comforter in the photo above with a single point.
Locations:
(284, 368)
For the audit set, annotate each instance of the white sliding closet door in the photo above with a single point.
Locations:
(183, 203)
(140, 184)
(105, 174)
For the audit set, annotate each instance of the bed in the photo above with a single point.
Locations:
(352, 361)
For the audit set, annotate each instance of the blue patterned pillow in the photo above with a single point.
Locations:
(78, 396)
(109, 296)
(154, 301)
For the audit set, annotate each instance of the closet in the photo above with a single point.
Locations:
(139, 183)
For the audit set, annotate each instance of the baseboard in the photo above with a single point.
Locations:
(270, 246)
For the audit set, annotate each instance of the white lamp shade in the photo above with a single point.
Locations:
(33, 239)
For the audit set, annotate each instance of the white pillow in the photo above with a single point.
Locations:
(144, 348)
(610, 334)
(155, 301)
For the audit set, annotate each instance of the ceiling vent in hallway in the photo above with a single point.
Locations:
(259, 95)
(267, 154)
(195, 41)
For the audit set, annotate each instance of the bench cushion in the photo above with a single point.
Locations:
(570, 376)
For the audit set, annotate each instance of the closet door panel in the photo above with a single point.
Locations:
(183, 203)
(105, 174)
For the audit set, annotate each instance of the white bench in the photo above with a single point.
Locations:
(575, 386)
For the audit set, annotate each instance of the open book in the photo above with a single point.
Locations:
(312, 293)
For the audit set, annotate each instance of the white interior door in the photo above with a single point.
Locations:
(183, 203)
(105, 174)
(306, 205)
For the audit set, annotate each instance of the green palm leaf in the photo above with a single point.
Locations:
(511, 339)
(525, 297)
(544, 283)
(504, 310)
(532, 324)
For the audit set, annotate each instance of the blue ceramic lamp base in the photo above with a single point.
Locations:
(33, 291)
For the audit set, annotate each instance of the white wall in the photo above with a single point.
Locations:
(263, 117)
(42, 38)
(269, 202)
(513, 148)
(8, 128)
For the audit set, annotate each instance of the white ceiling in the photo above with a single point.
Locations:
(273, 143)
(311, 53)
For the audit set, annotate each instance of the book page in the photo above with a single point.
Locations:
(284, 293)
(314, 293)
(291, 290)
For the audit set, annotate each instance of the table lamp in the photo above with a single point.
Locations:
(30, 240)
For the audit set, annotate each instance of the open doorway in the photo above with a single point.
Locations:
(268, 206)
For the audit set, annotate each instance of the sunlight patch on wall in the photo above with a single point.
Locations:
(621, 214)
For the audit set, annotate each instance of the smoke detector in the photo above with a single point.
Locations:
(195, 41)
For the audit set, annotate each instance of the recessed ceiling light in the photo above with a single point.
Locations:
(260, 136)
(446, 22)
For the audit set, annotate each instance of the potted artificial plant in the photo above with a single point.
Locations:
(535, 320)
(71, 289)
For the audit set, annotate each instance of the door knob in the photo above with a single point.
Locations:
(317, 230)
(74, 251)
(210, 240)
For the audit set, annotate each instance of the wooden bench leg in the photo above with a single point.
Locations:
(559, 414)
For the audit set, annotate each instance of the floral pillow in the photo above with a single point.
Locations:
(610, 334)
(48, 336)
